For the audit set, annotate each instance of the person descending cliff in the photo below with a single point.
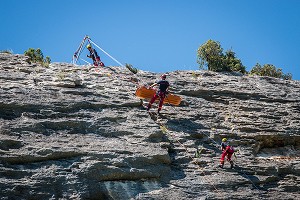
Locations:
(227, 150)
(94, 56)
(161, 93)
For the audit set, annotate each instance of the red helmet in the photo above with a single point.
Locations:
(164, 76)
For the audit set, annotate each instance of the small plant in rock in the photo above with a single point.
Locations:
(61, 75)
(194, 75)
(36, 56)
(132, 69)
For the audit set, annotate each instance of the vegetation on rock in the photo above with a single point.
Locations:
(132, 69)
(269, 70)
(37, 56)
(210, 55)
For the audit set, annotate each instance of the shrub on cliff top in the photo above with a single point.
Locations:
(211, 55)
(269, 70)
(36, 56)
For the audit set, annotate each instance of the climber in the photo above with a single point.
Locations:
(226, 150)
(161, 93)
(94, 55)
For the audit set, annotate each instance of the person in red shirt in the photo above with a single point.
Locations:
(227, 150)
(161, 93)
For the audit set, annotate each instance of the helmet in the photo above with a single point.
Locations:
(88, 46)
(164, 76)
(224, 139)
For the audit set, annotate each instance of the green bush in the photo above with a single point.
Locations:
(211, 55)
(132, 69)
(269, 70)
(231, 63)
(36, 56)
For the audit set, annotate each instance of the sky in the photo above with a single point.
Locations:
(156, 35)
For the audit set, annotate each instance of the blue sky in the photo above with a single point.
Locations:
(157, 35)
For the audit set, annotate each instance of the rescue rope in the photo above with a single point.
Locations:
(85, 61)
(106, 53)
(143, 83)
(218, 145)
(201, 131)
(88, 39)
(167, 131)
(163, 127)
(244, 173)
(232, 128)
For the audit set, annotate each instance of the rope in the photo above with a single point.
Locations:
(80, 49)
(106, 53)
(248, 178)
(180, 123)
(215, 143)
(163, 127)
(244, 173)
(85, 61)
(143, 83)
(166, 130)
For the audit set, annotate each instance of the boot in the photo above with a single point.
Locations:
(221, 165)
(231, 164)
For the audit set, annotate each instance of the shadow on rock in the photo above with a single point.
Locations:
(184, 125)
(253, 179)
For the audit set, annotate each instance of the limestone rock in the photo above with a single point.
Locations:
(73, 132)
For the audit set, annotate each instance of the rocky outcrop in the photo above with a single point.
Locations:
(73, 132)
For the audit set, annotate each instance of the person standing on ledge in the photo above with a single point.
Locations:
(227, 150)
(161, 93)
(94, 56)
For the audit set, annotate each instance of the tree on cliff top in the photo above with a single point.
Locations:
(36, 56)
(211, 55)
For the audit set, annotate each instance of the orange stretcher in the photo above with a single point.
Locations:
(147, 93)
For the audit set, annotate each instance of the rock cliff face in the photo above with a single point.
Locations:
(69, 132)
